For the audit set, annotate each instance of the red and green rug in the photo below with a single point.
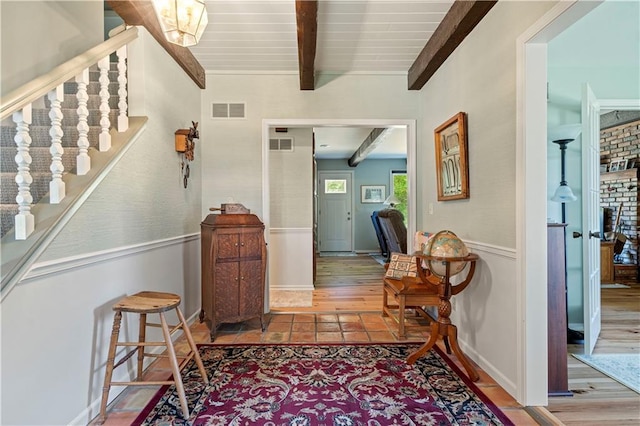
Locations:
(323, 384)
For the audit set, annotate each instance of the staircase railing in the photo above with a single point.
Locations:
(18, 105)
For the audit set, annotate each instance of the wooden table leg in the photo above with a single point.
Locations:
(427, 346)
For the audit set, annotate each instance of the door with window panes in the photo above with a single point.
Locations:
(335, 222)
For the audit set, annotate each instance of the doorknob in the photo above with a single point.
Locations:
(594, 234)
(577, 234)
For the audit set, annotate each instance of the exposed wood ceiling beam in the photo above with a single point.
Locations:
(140, 12)
(372, 140)
(461, 19)
(307, 22)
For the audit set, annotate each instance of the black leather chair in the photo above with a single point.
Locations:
(393, 230)
(381, 240)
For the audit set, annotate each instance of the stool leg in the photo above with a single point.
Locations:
(192, 345)
(117, 318)
(177, 378)
(141, 338)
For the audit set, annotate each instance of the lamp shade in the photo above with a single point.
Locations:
(391, 200)
(182, 21)
(563, 194)
(564, 132)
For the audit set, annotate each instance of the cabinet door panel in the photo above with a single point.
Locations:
(251, 297)
(251, 244)
(228, 246)
(226, 290)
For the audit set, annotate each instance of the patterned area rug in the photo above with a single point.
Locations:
(623, 368)
(353, 384)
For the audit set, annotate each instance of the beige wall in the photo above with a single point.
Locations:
(291, 181)
(232, 150)
(479, 78)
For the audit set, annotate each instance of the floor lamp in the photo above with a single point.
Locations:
(563, 135)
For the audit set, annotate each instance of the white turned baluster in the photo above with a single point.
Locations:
(123, 119)
(24, 220)
(57, 189)
(83, 161)
(105, 138)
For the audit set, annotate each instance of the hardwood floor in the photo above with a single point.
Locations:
(598, 399)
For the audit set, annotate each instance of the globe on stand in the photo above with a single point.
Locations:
(445, 244)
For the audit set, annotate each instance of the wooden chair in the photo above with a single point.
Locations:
(143, 303)
(409, 293)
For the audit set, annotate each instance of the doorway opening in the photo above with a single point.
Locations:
(291, 248)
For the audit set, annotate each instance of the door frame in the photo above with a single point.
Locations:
(531, 203)
(267, 123)
(352, 174)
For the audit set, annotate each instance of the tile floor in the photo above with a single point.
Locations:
(301, 328)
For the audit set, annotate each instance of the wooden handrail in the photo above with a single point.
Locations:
(42, 85)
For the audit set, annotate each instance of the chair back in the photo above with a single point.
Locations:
(393, 229)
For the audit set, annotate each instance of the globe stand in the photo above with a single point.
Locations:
(443, 327)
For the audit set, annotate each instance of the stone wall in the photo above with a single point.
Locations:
(620, 187)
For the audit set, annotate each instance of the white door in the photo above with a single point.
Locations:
(590, 217)
(334, 211)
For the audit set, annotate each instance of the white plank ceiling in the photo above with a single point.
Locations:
(369, 36)
(354, 36)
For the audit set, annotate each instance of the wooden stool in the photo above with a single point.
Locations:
(143, 303)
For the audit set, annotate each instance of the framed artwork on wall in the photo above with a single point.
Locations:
(372, 193)
(452, 166)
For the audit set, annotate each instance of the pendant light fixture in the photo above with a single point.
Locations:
(182, 21)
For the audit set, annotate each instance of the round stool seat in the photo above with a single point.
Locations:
(148, 302)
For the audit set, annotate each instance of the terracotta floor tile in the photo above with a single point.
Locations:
(275, 337)
(229, 327)
(309, 327)
(305, 337)
(328, 326)
(326, 318)
(371, 318)
(298, 318)
(249, 337)
(348, 317)
(381, 336)
(279, 326)
(331, 336)
(376, 326)
(355, 336)
(225, 338)
(352, 326)
(282, 318)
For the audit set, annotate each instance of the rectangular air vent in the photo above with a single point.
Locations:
(281, 144)
(230, 110)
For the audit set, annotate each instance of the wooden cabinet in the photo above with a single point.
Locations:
(234, 262)
(557, 311)
(606, 262)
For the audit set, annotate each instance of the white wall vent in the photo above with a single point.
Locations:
(281, 144)
(230, 110)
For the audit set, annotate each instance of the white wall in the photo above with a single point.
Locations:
(64, 29)
(479, 78)
(233, 155)
(291, 181)
(56, 327)
(138, 231)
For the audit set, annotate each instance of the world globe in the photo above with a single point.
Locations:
(445, 244)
